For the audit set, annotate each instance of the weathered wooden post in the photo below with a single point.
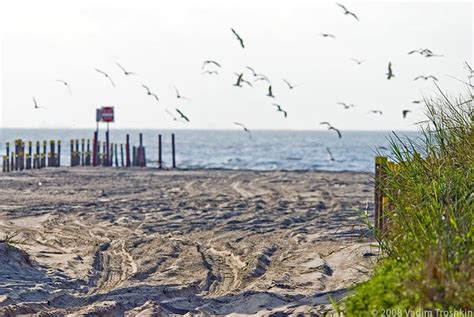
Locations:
(121, 154)
(30, 155)
(173, 150)
(72, 152)
(160, 163)
(94, 149)
(107, 153)
(35, 161)
(52, 150)
(111, 162)
(8, 156)
(116, 155)
(380, 166)
(83, 152)
(12, 161)
(127, 150)
(58, 160)
(38, 151)
(17, 154)
(134, 156)
(88, 156)
(4, 163)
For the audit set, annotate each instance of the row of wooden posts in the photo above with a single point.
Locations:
(83, 153)
(21, 156)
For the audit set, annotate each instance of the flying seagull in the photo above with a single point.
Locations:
(405, 112)
(330, 157)
(418, 101)
(210, 62)
(65, 84)
(280, 109)
(337, 130)
(390, 73)
(347, 12)
(106, 75)
(425, 52)
(36, 104)
(124, 71)
(239, 80)
(289, 85)
(208, 72)
(252, 70)
(358, 61)
(426, 77)
(246, 81)
(178, 95)
(270, 94)
(182, 115)
(243, 127)
(262, 77)
(376, 111)
(238, 38)
(325, 123)
(328, 35)
(345, 105)
(149, 93)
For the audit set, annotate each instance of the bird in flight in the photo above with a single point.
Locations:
(347, 12)
(252, 70)
(209, 72)
(262, 77)
(106, 75)
(425, 52)
(390, 72)
(149, 93)
(357, 61)
(182, 115)
(426, 77)
(178, 94)
(376, 111)
(289, 85)
(36, 104)
(245, 128)
(418, 101)
(65, 84)
(247, 82)
(330, 157)
(210, 62)
(405, 112)
(345, 105)
(325, 123)
(328, 35)
(279, 108)
(124, 71)
(270, 94)
(239, 80)
(337, 130)
(238, 38)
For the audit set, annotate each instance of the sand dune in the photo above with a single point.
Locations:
(146, 242)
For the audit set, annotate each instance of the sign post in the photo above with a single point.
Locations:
(107, 116)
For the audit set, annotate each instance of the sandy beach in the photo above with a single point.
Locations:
(114, 242)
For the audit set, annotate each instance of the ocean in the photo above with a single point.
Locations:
(233, 149)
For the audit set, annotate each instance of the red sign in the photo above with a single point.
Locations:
(107, 114)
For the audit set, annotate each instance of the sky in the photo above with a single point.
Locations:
(166, 42)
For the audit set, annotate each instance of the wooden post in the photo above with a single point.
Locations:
(111, 162)
(43, 160)
(52, 150)
(134, 156)
(127, 151)
(173, 150)
(98, 153)
(160, 162)
(107, 153)
(83, 152)
(72, 153)
(17, 154)
(58, 159)
(141, 152)
(380, 166)
(35, 161)
(12, 161)
(4, 163)
(30, 154)
(121, 153)
(38, 151)
(94, 149)
(8, 157)
(116, 156)
(88, 156)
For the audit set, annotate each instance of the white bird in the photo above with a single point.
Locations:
(347, 12)
(106, 75)
(289, 85)
(178, 94)
(280, 109)
(245, 128)
(330, 157)
(124, 71)
(65, 84)
(270, 94)
(36, 104)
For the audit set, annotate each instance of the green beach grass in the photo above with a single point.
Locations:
(428, 248)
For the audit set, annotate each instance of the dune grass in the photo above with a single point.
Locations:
(428, 248)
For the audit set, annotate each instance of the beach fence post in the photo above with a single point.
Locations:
(38, 151)
(83, 151)
(52, 151)
(88, 153)
(116, 156)
(8, 156)
(72, 153)
(127, 151)
(30, 155)
(173, 150)
(12, 161)
(111, 162)
(4, 163)
(45, 151)
(107, 156)
(22, 155)
(134, 156)
(141, 152)
(380, 175)
(77, 154)
(160, 162)
(58, 158)
(16, 154)
(94, 149)
(121, 153)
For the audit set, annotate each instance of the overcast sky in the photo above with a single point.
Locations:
(165, 42)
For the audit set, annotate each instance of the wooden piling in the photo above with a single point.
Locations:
(88, 155)
(12, 161)
(160, 162)
(38, 151)
(72, 152)
(111, 158)
(8, 156)
(134, 156)
(127, 150)
(83, 152)
(116, 156)
(30, 154)
(4, 163)
(380, 176)
(42, 160)
(173, 150)
(121, 154)
(58, 159)
(94, 149)
(35, 161)
(107, 153)
(52, 151)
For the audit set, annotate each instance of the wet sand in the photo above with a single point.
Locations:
(115, 242)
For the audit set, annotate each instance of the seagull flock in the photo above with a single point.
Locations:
(212, 68)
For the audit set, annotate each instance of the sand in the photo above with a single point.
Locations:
(114, 242)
